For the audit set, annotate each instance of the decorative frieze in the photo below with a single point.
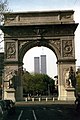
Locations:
(38, 18)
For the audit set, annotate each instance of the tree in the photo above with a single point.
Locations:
(37, 84)
(3, 9)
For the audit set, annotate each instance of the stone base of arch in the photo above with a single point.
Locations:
(9, 94)
(66, 94)
(70, 94)
(14, 95)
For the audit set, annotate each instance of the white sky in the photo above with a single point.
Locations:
(43, 5)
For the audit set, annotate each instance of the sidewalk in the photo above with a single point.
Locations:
(44, 102)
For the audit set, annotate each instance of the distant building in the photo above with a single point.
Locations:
(43, 64)
(40, 64)
(36, 65)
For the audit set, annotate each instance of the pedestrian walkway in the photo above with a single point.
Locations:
(44, 111)
(44, 102)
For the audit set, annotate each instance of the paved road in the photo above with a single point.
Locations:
(44, 112)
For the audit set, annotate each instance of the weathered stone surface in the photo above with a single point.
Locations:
(52, 29)
(39, 18)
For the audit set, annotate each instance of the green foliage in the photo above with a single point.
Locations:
(37, 84)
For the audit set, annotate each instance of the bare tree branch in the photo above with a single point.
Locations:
(3, 9)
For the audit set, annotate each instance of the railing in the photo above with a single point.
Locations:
(46, 98)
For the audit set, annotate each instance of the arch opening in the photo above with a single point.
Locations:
(50, 66)
(28, 60)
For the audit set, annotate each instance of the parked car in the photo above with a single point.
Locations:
(3, 110)
(10, 105)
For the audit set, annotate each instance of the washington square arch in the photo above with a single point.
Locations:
(52, 29)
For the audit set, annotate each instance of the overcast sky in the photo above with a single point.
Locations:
(46, 5)
(29, 5)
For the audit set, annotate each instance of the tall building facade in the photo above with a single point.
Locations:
(36, 65)
(40, 64)
(43, 64)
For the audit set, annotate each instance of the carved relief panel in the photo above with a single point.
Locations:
(9, 73)
(67, 48)
(69, 76)
(57, 44)
(65, 75)
(11, 50)
(21, 43)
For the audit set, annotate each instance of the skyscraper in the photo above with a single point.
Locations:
(36, 65)
(43, 64)
(40, 64)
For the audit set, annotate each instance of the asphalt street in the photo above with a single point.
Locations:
(44, 112)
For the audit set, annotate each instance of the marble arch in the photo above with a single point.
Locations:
(52, 29)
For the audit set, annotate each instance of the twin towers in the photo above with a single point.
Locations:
(40, 64)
